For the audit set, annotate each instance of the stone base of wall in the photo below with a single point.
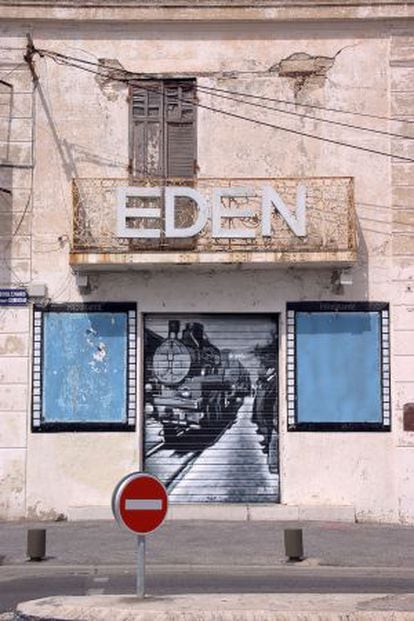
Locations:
(233, 512)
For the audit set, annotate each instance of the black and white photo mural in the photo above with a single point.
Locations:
(211, 406)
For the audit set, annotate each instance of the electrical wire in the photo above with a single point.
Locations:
(61, 60)
(135, 76)
(227, 94)
(213, 91)
(301, 133)
(313, 106)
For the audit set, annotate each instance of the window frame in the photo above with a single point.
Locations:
(382, 308)
(40, 426)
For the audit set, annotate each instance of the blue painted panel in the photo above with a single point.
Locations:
(338, 367)
(84, 367)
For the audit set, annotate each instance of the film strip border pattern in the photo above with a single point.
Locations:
(37, 368)
(291, 389)
(132, 368)
(290, 368)
(385, 362)
(130, 309)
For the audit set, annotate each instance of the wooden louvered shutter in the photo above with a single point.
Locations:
(147, 129)
(163, 130)
(180, 130)
(146, 148)
(163, 146)
(180, 150)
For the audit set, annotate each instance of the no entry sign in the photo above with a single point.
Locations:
(140, 503)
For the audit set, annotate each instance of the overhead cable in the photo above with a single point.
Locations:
(227, 94)
(289, 102)
(113, 73)
(314, 106)
(217, 93)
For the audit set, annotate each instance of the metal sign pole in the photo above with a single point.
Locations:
(141, 566)
(139, 504)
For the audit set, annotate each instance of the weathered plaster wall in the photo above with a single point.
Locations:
(16, 135)
(14, 389)
(346, 467)
(187, 10)
(82, 130)
(402, 99)
(16, 141)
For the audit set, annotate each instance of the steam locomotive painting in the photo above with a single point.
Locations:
(210, 404)
(190, 383)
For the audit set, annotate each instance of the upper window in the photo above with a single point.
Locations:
(84, 367)
(338, 366)
(163, 129)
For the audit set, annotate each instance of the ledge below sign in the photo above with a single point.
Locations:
(92, 261)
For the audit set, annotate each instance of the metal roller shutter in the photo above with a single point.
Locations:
(211, 406)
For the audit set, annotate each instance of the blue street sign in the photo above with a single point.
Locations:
(13, 297)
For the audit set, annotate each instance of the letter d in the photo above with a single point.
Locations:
(173, 191)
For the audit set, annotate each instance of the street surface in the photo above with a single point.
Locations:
(205, 557)
(17, 585)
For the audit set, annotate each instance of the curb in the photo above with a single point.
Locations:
(221, 607)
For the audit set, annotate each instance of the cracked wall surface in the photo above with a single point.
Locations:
(305, 72)
(81, 130)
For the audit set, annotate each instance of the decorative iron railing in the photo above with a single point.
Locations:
(330, 216)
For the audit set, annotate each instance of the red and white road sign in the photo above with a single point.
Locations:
(140, 502)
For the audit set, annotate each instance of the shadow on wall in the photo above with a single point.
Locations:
(6, 183)
(70, 152)
(68, 162)
(6, 214)
(368, 227)
(358, 273)
(360, 288)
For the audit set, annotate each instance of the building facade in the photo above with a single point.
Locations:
(207, 247)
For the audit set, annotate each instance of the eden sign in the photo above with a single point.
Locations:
(208, 209)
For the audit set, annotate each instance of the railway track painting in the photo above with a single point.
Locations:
(211, 398)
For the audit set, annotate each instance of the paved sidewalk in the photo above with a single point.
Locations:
(213, 543)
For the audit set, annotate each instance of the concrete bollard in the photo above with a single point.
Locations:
(294, 544)
(36, 544)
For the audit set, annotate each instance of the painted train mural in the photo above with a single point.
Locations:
(191, 384)
(210, 403)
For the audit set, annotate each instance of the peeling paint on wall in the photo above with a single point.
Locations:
(110, 71)
(12, 486)
(304, 71)
(84, 367)
(35, 512)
